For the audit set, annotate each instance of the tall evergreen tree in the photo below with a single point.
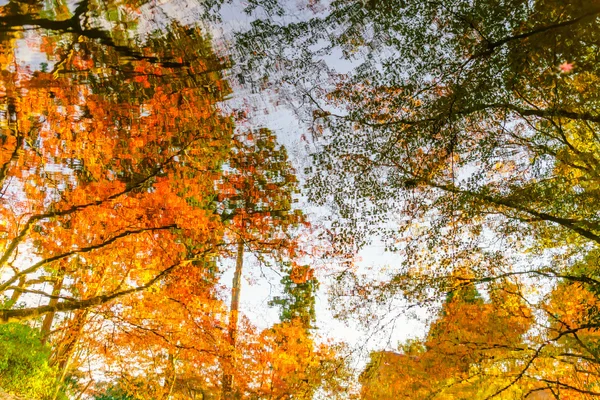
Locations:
(298, 299)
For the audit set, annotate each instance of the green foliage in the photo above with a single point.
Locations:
(298, 299)
(24, 368)
(466, 294)
(113, 393)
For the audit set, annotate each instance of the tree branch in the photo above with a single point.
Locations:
(74, 208)
(8, 315)
(87, 249)
(568, 223)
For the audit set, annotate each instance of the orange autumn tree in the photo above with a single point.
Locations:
(84, 171)
(467, 352)
(164, 344)
(290, 360)
(107, 192)
(183, 319)
(293, 363)
(300, 364)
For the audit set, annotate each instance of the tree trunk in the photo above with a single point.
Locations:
(49, 318)
(233, 321)
(16, 294)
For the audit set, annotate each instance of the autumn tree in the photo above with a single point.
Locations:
(469, 351)
(109, 164)
(122, 182)
(290, 360)
(298, 362)
(256, 198)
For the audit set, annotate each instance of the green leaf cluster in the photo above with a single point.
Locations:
(24, 366)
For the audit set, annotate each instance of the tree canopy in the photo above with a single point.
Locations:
(465, 135)
(461, 134)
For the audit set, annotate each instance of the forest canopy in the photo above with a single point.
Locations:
(463, 135)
